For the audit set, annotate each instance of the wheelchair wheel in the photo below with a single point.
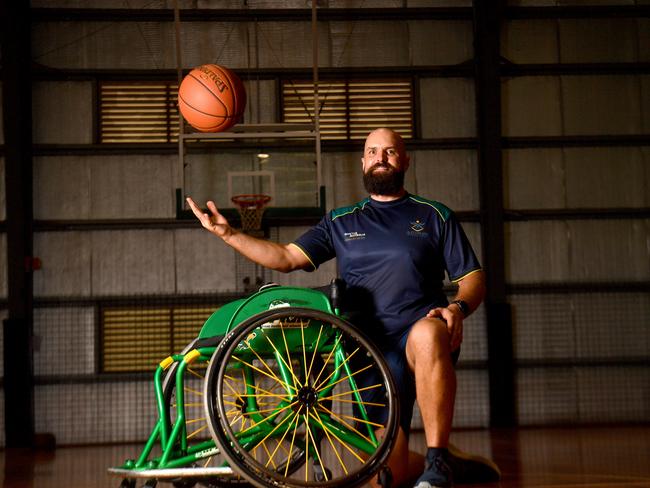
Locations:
(197, 432)
(295, 380)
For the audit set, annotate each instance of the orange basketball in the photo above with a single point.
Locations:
(211, 98)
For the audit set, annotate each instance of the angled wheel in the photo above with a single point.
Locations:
(295, 381)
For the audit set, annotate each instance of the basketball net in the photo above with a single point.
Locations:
(251, 209)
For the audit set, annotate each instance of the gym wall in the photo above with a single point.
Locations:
(576, 181)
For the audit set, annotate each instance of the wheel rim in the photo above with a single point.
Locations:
(296, 377)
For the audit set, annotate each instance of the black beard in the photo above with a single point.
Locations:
(389, 182)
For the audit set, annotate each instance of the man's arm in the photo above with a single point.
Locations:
(471, 290)
(280, 257)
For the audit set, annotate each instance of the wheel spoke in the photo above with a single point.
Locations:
(310, 435)
(272, 376)
(329, 356)
(317, 417)
(295, 415)
(270, 417)
(326, 428)
(356, 390)
(313, 356)
(296, 381)
(344, 378)
(337, 368)
(351, 427)
(293, 439)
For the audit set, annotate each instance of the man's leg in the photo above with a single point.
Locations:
(402, 462)
(429, 357)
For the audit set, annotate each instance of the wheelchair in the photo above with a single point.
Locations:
(278, 389)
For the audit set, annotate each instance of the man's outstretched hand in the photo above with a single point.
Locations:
(215, 223)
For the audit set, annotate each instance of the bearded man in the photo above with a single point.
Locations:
(393, 250)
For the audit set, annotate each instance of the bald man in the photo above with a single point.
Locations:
(393, 250)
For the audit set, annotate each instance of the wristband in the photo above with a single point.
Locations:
(462, 305)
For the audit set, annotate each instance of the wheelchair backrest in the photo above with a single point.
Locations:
(232, 314)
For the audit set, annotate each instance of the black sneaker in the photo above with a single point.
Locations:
(437, 473)
(471, 468)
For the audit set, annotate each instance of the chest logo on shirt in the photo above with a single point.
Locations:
(417, 229)
(353, 236)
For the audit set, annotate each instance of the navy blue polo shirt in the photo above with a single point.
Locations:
(393, 257)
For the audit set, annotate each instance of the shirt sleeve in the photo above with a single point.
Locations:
(317, 244)
(459, 256)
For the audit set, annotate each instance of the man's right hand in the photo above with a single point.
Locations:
(215, 223)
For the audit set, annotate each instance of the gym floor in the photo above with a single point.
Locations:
(589, 457)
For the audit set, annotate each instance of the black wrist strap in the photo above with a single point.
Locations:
(462, 305)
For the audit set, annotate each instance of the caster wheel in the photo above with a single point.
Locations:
(321, 474)
(150, 484)
(385, 477)
(127, 483)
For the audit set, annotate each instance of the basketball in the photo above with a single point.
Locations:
(211, 98)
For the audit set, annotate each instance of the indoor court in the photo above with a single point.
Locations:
(139, 350)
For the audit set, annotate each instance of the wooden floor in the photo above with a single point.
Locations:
(601, 457)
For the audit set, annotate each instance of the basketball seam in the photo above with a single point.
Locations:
(215, 97)
(222, 117)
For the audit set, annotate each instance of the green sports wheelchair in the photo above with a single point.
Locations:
(271, 394)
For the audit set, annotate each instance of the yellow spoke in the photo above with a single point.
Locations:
(232, 378)
(338, 339)
(198, 375)
(193, 421)
(296, 381)
(337, 368)
(280, 443)
(195, 404)
(367, 422)
(269, 454)
(235, 392)
(197, 431)
(309, 434)
(273, 377)
(356, 402)
(313, 356)
(307, 455)
(271, 433)
(304, 352)
(234, 404)
(293, 438)
(234, 421)
(317, 417)
(207, 462)
(281, 446)
(326, 429)
(191, 390)
(270, 417)
(344, 378)
(351, 427)
(358, 390)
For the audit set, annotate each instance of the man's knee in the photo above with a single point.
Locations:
(428, 338)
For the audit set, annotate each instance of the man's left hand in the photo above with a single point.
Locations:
(454, 318)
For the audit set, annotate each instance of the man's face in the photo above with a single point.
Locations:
(384, 163)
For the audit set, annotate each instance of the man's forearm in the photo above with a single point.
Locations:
(471, 290)
(266, 253)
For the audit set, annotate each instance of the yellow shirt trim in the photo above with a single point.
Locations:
(304, 253)
(466, 275)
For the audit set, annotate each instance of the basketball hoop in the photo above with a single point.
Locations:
(251, 209)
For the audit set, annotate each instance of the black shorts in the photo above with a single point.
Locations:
(403, 378)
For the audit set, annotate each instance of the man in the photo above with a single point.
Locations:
(393, 249)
